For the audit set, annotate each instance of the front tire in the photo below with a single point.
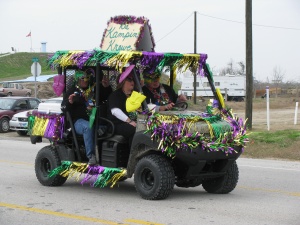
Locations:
(22, 132)
(154, 177)
(46, 160)
(223, 184)
(4, 125)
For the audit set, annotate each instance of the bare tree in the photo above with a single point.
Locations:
(230, 66)
(242, 69)
(231, 69)
(277, 78)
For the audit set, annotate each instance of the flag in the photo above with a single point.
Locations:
(29, 35)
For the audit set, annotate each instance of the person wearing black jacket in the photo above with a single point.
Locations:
(79, 102)
(162, 95)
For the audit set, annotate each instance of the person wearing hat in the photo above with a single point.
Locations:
(79, 102)
(118, 111)
(162, 95)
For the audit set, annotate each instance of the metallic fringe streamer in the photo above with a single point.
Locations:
(120, 60)
(67, 59)
(188, 61)
(103, 175)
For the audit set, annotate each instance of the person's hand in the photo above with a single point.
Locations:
(71, 98)
(182, 98)
(105, 81)
(89, 107)
(132, 123)
(166, 107)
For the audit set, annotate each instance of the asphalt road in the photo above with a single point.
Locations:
(268, 192)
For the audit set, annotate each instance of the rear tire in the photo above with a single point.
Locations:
(154, 177)
(22, 132)
(28, 94)
(4, 125)
(223, 184)
(46, 160)
(9, 94)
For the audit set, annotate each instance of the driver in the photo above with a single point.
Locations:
(162, 95)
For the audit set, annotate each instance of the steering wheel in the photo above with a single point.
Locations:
(180, 106)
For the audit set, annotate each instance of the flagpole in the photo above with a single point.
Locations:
(30, 42)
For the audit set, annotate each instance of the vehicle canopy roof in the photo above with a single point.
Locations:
(151, 61)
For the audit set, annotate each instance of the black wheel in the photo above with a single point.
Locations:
(223, 184)
(22, 132)
(154, 177)
(9, 94)
(28, 94)
(4, 125)
(46, 160)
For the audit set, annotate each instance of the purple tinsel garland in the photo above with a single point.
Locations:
(150, 61)
(202, 61)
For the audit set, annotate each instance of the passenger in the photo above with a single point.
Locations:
(125, 122)
(79, 102)
(162, 95)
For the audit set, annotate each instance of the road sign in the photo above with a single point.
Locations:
(35, 59)
(36, 69)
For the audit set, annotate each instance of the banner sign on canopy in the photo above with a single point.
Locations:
(128, 33)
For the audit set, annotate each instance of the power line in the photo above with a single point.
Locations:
(228, 20)
(175, 28)
(259, 25)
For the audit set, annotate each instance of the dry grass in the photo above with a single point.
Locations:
(285, 135)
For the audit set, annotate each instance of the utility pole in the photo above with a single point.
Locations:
(249, 65)
(195, 51)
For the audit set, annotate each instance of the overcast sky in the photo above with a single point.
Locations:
(79, 25)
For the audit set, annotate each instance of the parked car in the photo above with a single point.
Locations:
(14, 89)
(19, 121)
(9, 106)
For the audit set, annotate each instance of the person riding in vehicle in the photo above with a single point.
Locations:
(162, 95)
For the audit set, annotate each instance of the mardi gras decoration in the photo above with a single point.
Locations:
(181, 132)
(134, 101)
(47, 125)
(58, 84)
(156, 61)
(98, 176)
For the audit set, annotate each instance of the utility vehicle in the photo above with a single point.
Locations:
(183, 148)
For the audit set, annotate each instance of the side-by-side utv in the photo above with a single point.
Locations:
(183, 148)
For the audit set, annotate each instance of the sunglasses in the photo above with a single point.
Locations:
(129, 79)
(84, 78)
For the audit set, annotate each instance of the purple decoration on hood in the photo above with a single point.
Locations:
(215, 104)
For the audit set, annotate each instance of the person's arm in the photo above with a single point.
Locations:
(122, 116)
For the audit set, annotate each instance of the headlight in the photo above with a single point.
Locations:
(14, 118)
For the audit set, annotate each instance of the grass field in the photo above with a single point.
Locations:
(18, 65)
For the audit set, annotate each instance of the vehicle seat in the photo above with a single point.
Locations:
(23, 106)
